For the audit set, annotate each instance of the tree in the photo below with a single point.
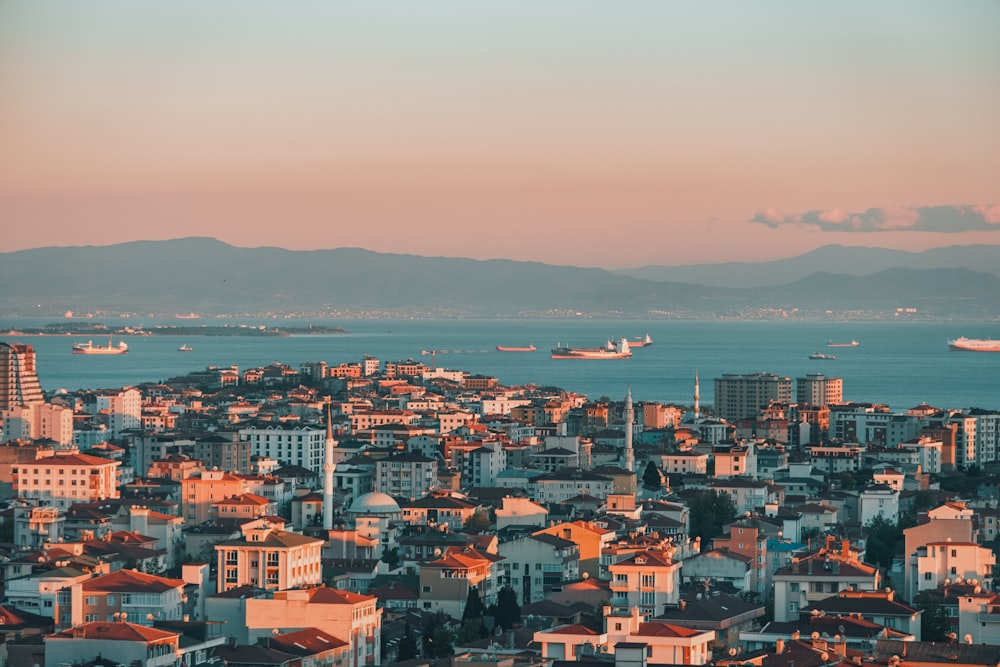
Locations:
(471, 630)
(884, 538)
(506, 611)
(391, 556)
(407, 645)
(934, 623)
(478, 522)
(473, 605)
(651, 476)
(438, 638)
(709, 512)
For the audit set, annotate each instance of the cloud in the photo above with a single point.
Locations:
(946, 219)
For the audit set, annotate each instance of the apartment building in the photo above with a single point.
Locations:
(200, 492)
(64, 480)
(649, 580)
(818, 389)
(269, 559)
(303, 446)
(743, 396)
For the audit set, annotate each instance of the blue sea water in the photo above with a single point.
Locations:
(899, 363)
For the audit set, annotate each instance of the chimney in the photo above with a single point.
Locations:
(809, 566)
(779, 646)
(845, 547)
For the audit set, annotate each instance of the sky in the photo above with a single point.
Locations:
(606, 133)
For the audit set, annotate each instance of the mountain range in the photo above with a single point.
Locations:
(209, 277)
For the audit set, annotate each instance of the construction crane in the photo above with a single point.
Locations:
(434, 354)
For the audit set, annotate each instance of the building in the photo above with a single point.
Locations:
(200, 492)
(649, 580)
(37, 421)
(742, 396)
(445, 581)
(817, 389)
(19, 384)
(938, 563)
(121, 642)
(65, 480)
(303, 446)
(143, 598)
(407, 475)
(269, 559)
(122, 408)
(536, 563)
(818, 575)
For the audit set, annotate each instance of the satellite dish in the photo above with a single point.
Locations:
(732, 652)
(814, 635)
(586, 575)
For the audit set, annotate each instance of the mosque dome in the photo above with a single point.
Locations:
(374, 503)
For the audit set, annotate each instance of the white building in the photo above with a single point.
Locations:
(936, 562)
(878, 500)
(303, 446)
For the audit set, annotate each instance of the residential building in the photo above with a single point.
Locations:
(303, 446)
(445, 581)
(121, 408)
(406, 475)
(817, 389)
(121, 642)
(937, 563)
(536, 563)
(440, 509)
(200, 492)
(565, 484)
(742, 396)
(819, 575)
(517, 511)
(649, 580)
(589, 536)
(269, 559)
(143, 598)
(878, 500)
(64, 480)
(19, 384)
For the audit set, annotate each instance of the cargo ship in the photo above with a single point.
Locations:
(609, 351)
(641, 342)
(508, 348)
(820, 355)
(964, 344)
(90, 348)
(853, 343)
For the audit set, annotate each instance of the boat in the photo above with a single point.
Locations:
(964, 344)
(853, 343)
(641, 342)
(90, 348)
(820, 355)
(185, 348)
(507, 348)
(608, 351)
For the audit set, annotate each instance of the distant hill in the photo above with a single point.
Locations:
(850, 260)
(209, 277)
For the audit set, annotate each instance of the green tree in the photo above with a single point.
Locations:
(471, 630)
(506, 611)
(934, 623)
(391, 556)
(709, 512)
(478, 522)
(474, 609)
(442, 642)
(407, 645)
(651, 476)
(884, 539)
(438, 638)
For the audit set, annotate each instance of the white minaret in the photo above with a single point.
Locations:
(629, 419)
(697, 396)
(328, 467)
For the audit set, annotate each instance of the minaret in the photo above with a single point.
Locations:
(629, 419)
(697, 396)
(328, 467)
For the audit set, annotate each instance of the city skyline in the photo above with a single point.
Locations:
(612, 135)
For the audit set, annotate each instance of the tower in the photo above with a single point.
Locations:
(629, 420)
(328, 466)
(18, 381)
(697, 397)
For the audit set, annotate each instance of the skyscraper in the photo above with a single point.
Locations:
(18, 381)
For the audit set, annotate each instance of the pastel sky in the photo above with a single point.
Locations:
(607, 133)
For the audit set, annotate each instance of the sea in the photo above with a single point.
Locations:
(899, 363)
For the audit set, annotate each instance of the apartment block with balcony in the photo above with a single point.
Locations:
(649, 580)
(65, 480)
(269, 559)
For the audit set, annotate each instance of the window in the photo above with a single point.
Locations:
(793, 587)
(927, 576)
(954, 570)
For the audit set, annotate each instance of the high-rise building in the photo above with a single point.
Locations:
(817, 389)
(18, 380)
(742, 396)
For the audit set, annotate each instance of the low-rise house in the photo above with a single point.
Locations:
(314, 647)
(143, 598)
(445, 581)
(439, 509)
(720, 566)
(122, 642)
(589, 536)
(725, 615)
(879, 607)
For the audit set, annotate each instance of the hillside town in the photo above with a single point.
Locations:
(373, 513)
